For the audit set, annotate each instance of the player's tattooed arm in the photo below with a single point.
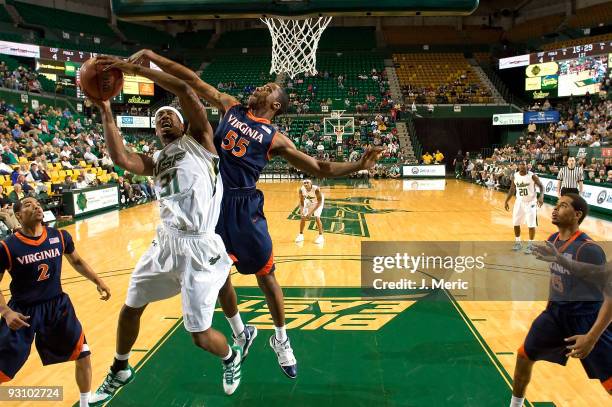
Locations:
(13, 319)
(322, 169)
(511, 193)
(540, 186)
(135, 163)
(86, 271)
(212, 95)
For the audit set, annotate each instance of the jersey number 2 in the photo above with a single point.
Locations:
(44, 272)
(233, 142)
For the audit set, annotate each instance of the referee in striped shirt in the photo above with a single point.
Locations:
(570, 179)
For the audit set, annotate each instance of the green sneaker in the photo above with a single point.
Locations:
(232, 372)
(112, 383)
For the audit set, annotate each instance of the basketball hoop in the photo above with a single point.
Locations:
(295, 43)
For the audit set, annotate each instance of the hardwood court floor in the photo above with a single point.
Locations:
(460, 355)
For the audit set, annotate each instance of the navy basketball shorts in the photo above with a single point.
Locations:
(243, 227)
(54, 328)
(545, 341)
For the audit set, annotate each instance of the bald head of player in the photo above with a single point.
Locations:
(29, 212)
(571, 209)
(168, 124)
(269, 100)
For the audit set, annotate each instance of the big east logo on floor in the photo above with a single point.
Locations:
(335, 314)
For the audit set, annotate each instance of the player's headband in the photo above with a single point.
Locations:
(307, 180)
(172, 109)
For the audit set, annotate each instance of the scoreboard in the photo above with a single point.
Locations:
(65, 55)
(578, 51)
(557, 55)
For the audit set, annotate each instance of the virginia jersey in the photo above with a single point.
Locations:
(575, 294)
(310, 197)
(525, 186)
(243, 142)
(35, 264)
(188, 185)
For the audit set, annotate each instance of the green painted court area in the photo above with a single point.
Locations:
(351, 352)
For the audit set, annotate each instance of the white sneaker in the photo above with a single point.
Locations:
(299, 238)
(232, 372)
(319, 239)
(284, 353)
(112, 383)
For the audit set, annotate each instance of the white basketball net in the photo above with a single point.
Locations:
(294, 44)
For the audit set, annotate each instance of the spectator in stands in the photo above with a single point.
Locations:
(427, 158)
(25, 187)
(81, 183)
(6, 211)
(37, 174)
(17, 194)
(68, 184)
(90, 157)
(43, 195)
(17, 132)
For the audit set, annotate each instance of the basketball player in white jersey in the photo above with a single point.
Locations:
(187, 256)
(311, 204)
(526, 204)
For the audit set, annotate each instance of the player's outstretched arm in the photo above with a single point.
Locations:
(322, 169)
(212, 95)
(199, 127)
(135, 163)
(86, 271)
(13, 319)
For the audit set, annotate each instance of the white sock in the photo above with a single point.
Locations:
(236, 324)
(518, 239)
(281, 333)
(84, 399)
(517, 401)
(229, 355)
(530, 240)
(123, 357)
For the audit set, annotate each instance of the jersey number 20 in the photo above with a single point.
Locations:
(235, 143)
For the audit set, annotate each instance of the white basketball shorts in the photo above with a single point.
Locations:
(194, 265)
(317, 213)
(525, 212)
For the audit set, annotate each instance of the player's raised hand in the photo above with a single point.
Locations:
(109, 62)
(547, 252)
(582, 346)
(370, 157)
(16, 320)
(140, 57)
(103, 289)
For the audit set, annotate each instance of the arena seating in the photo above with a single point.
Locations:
(244, 71)
(534, 28)
(254, 38)
(64, 20)
(419, 35)
(576, 41)
(432, 74)
(349, 65)
(344, 38)
(592, 16)
(144, 34)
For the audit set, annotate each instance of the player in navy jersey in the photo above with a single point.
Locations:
(245, 140)
(39, 311)
(577, 319)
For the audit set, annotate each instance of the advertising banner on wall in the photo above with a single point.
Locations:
(547, 116)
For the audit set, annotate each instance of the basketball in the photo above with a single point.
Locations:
(98, 83)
